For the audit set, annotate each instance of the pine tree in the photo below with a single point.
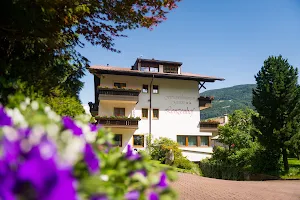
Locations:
(276, 99)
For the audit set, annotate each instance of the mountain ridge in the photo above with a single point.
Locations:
(228, 99)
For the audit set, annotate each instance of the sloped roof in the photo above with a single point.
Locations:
(100, 69)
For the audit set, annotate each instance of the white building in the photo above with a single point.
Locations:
(154, 98)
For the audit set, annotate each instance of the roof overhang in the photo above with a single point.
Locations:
(155, 75)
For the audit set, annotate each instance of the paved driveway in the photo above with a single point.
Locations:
(192, 187)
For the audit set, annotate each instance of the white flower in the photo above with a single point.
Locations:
(53, 116)
(73, 150)
(27, 101)
(52, 130)
(17, 117)
(23, 106)
(10, 133)
(104, 177)
(34, 105)
(47, 109)
(36, 134)
(25, 145)
(90, 137)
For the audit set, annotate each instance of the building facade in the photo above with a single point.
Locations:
(152, 98)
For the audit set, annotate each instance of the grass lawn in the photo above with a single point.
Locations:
(164, 166)
(294, 172)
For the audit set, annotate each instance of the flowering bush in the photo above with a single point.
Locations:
(45, 156)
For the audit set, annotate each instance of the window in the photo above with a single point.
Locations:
(153, 69)
(171, 69)
(119, 85)
(145, 113)
(138, 140)
(145, 69)
(119, 111)
(181, 140)
(149, 69)
(192, 141)
(145, 89)
(155, 113)
(155, 89)
(118, 140)
(204, 140)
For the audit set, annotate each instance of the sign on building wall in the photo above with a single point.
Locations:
(180, 105)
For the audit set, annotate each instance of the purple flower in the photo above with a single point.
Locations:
(64, 187)
(91, 159)
(153, 196)
(162, 181)
(34, 172)
(70, 124)
(93, 127)
(133, 195)
(5, 120)
(130, 155)
(98, 197)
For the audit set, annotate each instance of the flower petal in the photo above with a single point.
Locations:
(70, 124)
(153, 196)
(91, 159)
(133, 195)
(5, 120)
(163, 181)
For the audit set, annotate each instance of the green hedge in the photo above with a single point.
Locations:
(220, 171)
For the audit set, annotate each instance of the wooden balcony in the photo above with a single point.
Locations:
(205, 102)
(120, 122)
(209, 126)
(118, 94)
(93, 109)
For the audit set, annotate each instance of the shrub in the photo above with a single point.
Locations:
(160, 147)
(45, 156)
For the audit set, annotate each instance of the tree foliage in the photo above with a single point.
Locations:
(276, 99)
(38, 38)
(237, 135)
(238, 132)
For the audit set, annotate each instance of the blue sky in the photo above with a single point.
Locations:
(228, 39)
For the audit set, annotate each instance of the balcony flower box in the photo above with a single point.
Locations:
(119, 89)
(114, 121)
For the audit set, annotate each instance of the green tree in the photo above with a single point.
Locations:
(38, 38)
(63, 104)
(238, 133)
(276, 99)
(238, 136)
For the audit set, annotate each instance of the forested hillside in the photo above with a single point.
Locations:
(227, 100)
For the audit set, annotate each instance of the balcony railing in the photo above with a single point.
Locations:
(205, 102)
(122, 94)
(93, 108)
(209, 124)
(118, 121)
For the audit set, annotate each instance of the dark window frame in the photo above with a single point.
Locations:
(143, 140)
(143, 109)
(170, 69)
(149, 67)
(155, 89)
(145, 88)
(153, 117)
(120, 85)
(186, 137)
(115, 108)
(121, 141)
